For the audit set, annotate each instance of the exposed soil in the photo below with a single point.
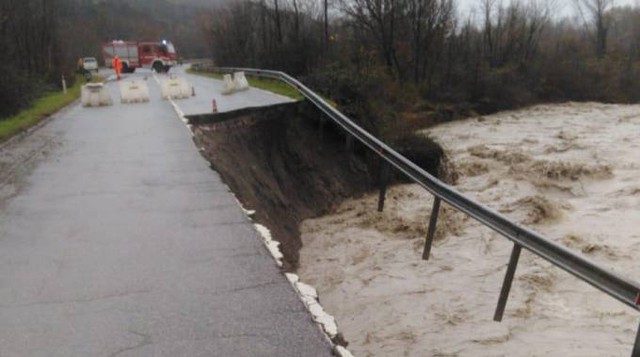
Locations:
(280, 163)
(288, 162)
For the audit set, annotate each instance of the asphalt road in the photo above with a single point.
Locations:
(116, 239)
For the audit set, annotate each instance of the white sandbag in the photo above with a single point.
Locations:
(134, 91)
(228, 86)
(175, 88)
(240, 81)
(95, 95)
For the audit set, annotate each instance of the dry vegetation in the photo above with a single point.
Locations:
(397, 64)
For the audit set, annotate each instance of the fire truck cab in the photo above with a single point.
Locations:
(160, 56)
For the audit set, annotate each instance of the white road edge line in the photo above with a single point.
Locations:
(307, 293)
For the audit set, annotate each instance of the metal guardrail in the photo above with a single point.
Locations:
(625, 290)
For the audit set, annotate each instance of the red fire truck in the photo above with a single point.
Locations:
(160, 56)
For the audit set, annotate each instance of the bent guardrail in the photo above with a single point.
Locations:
(614, 285)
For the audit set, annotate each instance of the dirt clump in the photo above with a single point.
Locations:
(539, 209)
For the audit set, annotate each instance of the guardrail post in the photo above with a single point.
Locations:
(321, 128)
(433, 220)
(349, 142)
(508, 279)
(636, 346)
(384, 182)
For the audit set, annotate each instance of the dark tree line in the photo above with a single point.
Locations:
(27, 32)
(42, 39)
(279, 34)
(414, 53)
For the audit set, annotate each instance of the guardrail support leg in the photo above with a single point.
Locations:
(431, 231)
(349, 142)
(636, 346)
(321, 128)
(508, 279)
(384, 182)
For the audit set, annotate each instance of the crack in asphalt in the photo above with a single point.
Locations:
(78, 301)
(146, 341)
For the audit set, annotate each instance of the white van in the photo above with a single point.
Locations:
(90, 64)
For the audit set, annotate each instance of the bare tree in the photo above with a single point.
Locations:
(430, 22)
(596, 13)
(278, 21)
(325, 11)
(380, 18)
(512, 33)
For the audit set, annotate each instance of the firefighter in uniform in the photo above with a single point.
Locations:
(117, 65)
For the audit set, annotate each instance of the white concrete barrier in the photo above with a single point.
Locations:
(229, 85)
(240, 81)
(134, 91)
(95, 95)
(175, 88)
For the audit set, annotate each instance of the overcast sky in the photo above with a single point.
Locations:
(565, 7)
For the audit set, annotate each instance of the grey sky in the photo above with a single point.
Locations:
(565, 8)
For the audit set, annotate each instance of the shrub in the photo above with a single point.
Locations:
(17, 90)
(427, 154)
(370, 97)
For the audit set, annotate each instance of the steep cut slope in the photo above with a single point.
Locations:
(280, 163)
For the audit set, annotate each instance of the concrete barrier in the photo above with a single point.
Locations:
(95, 95)
(240, 81)
(229, 85)
(134, 91)
(175, 88)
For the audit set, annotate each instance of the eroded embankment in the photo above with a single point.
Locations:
(288, 162)
(280, 163)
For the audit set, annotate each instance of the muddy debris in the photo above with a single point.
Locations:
(538, 209)
(509, 157)
(559, 170)
(590, 248)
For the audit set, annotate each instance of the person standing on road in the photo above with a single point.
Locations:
(80, 67)
(117, 65)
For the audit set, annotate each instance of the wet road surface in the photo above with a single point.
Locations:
(116, 239)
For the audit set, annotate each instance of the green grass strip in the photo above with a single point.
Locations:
(41, 109)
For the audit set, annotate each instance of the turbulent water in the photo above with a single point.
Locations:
(570, 171)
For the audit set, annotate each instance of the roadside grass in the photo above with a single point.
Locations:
(267, 84)
(41, 109)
